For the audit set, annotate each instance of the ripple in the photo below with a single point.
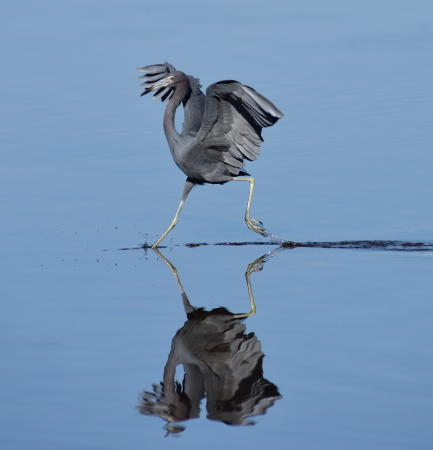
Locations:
(361, 244)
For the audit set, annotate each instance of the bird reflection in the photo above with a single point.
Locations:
(221, 361)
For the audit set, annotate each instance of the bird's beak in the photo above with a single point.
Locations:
(159, 84)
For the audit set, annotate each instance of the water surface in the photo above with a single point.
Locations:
(343, 317)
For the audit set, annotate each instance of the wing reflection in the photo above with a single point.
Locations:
(221, 361)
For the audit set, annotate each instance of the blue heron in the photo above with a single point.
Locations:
(221, 129)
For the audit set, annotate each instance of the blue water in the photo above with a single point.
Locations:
(86, 327)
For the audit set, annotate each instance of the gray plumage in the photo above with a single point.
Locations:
(221, 129)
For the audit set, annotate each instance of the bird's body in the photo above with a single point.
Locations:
(221, 129)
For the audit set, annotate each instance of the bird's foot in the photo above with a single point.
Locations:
(255, 225)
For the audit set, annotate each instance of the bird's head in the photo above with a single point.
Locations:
(162, 82)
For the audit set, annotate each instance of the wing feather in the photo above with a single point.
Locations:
(234, 116)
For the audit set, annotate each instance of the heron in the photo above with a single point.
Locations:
(221, 130)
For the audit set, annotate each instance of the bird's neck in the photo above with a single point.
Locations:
(173, 137)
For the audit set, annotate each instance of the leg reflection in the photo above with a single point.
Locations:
(255, 266)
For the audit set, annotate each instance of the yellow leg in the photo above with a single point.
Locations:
(171, 226)
(186, 190)
(252, 224)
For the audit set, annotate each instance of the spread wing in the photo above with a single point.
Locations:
(234, 117)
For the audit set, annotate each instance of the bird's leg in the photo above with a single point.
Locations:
(186, 190)
(252, 224)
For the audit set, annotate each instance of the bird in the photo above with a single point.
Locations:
(221, 130)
